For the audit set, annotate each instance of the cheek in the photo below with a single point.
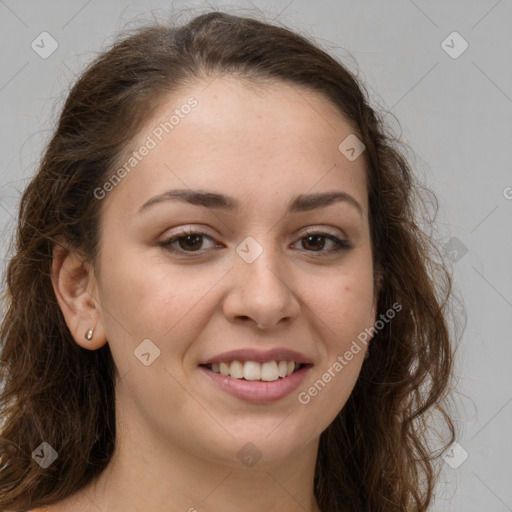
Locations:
(344, 304)
(144, 298)
(343, 313)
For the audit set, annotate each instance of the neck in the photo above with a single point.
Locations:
(200, 485)
(148, 474)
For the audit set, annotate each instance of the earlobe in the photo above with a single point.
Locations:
(74, 285)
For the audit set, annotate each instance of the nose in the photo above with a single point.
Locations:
(261, 293)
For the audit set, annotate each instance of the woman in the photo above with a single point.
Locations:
(219, 226)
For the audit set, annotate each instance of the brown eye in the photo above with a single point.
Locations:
(316, 242)
(190, 242)
(313, 242)
(186, 242)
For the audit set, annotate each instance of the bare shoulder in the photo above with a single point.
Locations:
(54, 508)
(75, 503)
(78, 502)
(58, 507)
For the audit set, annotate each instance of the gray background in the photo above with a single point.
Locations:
(455, 113)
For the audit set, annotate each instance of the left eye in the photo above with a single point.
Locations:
(319, 239)
(192, 241)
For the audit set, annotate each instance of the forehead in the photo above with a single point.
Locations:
(227, 133)
(275, 111)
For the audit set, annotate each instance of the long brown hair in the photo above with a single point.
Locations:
(375, 456)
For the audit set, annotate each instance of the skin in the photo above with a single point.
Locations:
(178, 433)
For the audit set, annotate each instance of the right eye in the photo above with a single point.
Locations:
(188, 241)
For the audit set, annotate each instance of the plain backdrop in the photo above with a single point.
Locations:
(452, 95)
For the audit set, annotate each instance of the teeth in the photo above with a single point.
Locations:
(224, 368)
(236, 370)
(252, 370)
(269, 371)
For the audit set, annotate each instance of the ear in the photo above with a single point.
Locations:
(75, 287)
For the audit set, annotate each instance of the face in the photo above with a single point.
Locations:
(269, 272)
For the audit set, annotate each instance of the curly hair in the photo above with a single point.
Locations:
(376, 454)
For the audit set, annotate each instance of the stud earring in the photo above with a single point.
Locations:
(89, 334)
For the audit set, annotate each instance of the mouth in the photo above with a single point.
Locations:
(269, 371)
(257, 377)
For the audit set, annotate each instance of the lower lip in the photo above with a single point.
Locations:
(255, 391)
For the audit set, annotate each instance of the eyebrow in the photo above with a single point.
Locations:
(301, 203)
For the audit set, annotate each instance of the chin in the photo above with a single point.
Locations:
(262, 442)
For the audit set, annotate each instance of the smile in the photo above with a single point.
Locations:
(268, 371)
(257, 390)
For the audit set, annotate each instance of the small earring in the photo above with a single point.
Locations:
(89, 334)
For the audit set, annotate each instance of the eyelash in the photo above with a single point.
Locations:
(342, 245)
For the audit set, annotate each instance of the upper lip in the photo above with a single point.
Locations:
(260, 356)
